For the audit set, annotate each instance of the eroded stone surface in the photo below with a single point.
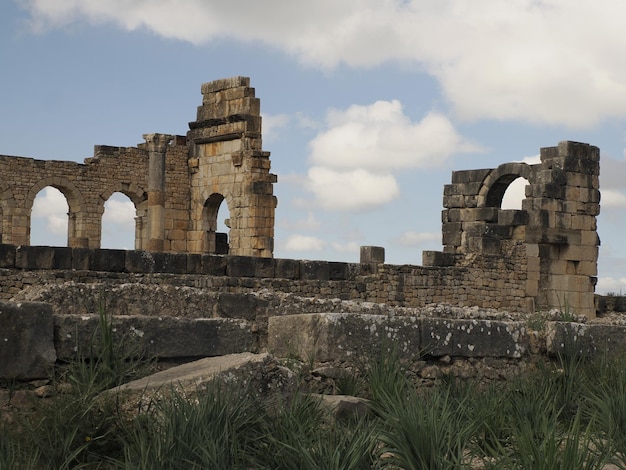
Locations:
(26, 340)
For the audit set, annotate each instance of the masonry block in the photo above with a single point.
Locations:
(173, 263)
(315, 270)
(26, 340)
(264, 267)
(214, 265)
(7, 256)
(473, 338)
(372, 254)
(287, 269)
(140, 261)
(82, 258)
(327, 337)
(437, 258)
(159, 337)
(240, 266)
(194, 263)
(34, 257)
(109, 260)
(338, 271)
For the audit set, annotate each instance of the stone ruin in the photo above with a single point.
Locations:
(192, 295)
(177, 183)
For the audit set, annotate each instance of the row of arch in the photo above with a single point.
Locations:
(54, 210)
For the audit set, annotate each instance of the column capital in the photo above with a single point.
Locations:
(157, 142)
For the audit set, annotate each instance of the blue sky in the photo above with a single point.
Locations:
(368, 105)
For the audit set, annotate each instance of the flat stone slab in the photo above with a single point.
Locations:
(339, 336)
(584, 338)
(26, 340)
(160, 337)
(257, 374)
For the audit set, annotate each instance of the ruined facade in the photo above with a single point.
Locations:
(177, 183)
(552, 240)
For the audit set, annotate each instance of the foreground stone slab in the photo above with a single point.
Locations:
(325, 337)
(584, 338)
(160, 337)
(261, 372)
(26, 340)
(340, 336)
(473, 338)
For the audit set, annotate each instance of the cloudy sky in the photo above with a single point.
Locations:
(368, 105)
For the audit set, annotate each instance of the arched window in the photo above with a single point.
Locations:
(49, 219)
(216, 225)
(118, 223)
(515, 194)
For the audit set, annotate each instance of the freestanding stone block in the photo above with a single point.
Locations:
(372, 254)
(26, 340)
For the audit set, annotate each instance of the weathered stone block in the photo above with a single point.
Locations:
(437, 258)
(173, 263)
(338, 271)
(315, 270)
(340, 336)
(108, 260)
(194, 263)
(26, 340)
(161, 337)
(7, 256)
(34, 257)
(139, 261)
(264, 267)
(473, 338)
(240, 266)
(287, 269)
(81, 258)
(214, 265)
(372, 254)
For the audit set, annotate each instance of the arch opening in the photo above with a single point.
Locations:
(215, 225)
(514, 194)
(119, 223)
(49, 221)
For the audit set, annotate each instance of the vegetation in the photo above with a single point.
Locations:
(568, 415)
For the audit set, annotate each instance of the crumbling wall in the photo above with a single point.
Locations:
(556, 226)
(176, 183)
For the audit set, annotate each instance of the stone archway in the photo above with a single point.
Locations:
(78, 218)
(498, 180)
(139, 197)
(213, 242)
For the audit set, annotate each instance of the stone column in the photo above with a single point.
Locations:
(157, 147)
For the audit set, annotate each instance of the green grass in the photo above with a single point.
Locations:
(570, 414)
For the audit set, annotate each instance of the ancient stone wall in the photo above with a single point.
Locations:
(177, 183)
(556, 225)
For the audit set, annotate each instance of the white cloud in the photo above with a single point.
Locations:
(273, 124)
(613, 198)
(119, 210)
(308, 224)
(549, 61)
(304, 243)
(381, 136)
(352, 190)
(50, 207)
(514, 194)
(349, 247)
(418, 238)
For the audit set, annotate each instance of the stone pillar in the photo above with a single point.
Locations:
(562, 242)
(157, 147)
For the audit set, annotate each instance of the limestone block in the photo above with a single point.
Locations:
(473, 338)
(264, 267)
(214, 265)
(139, 261)
(240, 266)
(108, 260)
(162, 337)
(338, 271)
(26, 340)
(583, 338)
(7, 256)
(315, 270)
(174, 263)
(336, 336)
(372, 254)
(437, 258)
(287, 269)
